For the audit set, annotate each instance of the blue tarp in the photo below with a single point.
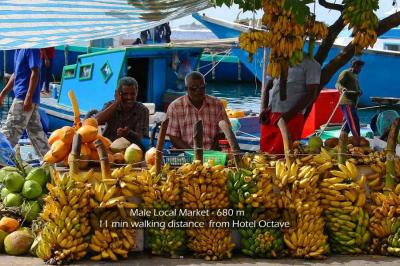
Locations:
(44, 23)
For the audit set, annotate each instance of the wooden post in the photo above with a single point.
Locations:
(342, 150)
(390, 155)
(283, 81)
(104, 162)
(160, 145)
(198, 140)
(233, 143)
(75, 155)
(287, 141)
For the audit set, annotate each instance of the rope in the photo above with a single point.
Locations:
(216, 64)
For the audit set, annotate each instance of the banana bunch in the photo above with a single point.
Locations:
(344, 199)
(110, 243)
(261, 242)
(359, 15)
(298, 177)
(273, 68)
(317, 29)
(65, 214)
(163, 191)
(394, 238)
(210, 243)
(204, 186)
(167, 241)
(252, 40)
(383, 209)
(305, 238)
(320, 158)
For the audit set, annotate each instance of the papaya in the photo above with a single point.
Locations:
(68, 134)
(8, 224)
(91, 121)
(59, 150)
(55, 135)
(88, 133)
(48, 158)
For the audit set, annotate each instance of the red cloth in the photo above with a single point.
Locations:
(183, 115)
(271, 139)
(50, 51)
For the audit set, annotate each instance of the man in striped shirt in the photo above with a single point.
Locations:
(196, 105)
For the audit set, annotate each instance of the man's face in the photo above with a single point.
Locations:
(357, 68)
(128, 95)
(196, 90)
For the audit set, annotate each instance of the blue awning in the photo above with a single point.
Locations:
(45, 23)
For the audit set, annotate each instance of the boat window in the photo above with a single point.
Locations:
(391, 47)
(138, 68)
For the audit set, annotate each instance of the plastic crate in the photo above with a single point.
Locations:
(217, 156)
(176, 160)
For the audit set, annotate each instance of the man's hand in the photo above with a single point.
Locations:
(27, 104)
(264, 116)
(122, 132)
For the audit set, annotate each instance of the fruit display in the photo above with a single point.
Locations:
(205, 187)
(394, 238)
(261, 242)
(66, 216)
(302, 199)
(163, 191)
(344, 199)
(23, 190)
(360, 16)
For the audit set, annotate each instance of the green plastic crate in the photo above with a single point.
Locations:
(218, 156)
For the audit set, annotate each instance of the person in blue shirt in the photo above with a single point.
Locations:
(24, 112)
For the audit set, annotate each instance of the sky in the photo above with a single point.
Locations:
(230, 14)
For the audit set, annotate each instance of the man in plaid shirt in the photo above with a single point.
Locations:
(185, 111)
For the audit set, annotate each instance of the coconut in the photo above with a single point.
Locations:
(119, 145)
(14, 182)
(30, 210)
(3, 235)
(39, 175)
(5, 171)
(4, 193)
(133, 154)
(88, 133)
(150, 156)
(31, 189)
(13, 200)
(18, 242)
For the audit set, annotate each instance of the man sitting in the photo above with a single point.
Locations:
(125, 117)
(185, 111)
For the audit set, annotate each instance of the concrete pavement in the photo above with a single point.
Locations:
(144, 260)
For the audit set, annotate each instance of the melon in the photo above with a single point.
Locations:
(14, 182)
(39, 175)
(18, 242)
(88, 133)
(133, 154)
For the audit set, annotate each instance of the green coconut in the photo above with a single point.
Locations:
(14, 182)
(39, 175)
(18, 242)
(4, 193)
(315, 143)
(5, 171)
(31, 189)
(30, 210)
(13, 200)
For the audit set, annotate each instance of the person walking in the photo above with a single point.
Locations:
(24, 112)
